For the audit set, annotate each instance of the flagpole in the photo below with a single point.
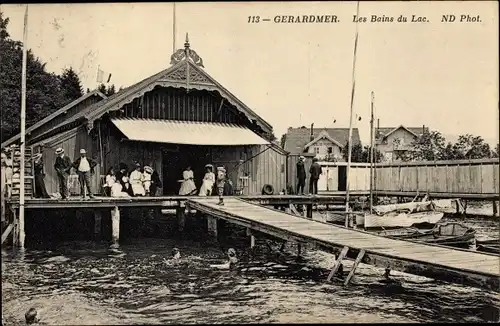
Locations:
(372, 152)
(23, 130)
(97, 76)
(173, 31)
(349, 149)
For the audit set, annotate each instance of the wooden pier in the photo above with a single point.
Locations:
(438, 262)
(164, 202)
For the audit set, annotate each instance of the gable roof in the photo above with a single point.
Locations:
(54, 115)
(386, 131)
(323, 134)
(183, 74)
(298, 138)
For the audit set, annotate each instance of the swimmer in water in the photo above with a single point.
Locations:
(232, 261)
(176, 256)
(31, 316)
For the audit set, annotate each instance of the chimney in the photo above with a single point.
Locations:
(311, 137)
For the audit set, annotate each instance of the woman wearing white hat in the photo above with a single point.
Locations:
(63, 169)
(208, 181)
(40, 190)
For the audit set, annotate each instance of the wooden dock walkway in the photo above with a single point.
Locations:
(433, 261)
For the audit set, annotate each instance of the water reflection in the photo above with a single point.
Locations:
(95, 283)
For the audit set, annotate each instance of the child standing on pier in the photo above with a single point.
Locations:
(221, 181)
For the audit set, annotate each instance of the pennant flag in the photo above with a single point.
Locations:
(109, 78)
(100, 75)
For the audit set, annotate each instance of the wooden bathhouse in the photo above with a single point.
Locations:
(176, 118)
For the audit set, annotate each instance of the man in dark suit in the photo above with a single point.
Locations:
(63, 170)
(301, 176)
(315, 172)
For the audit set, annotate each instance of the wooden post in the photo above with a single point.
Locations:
(299, 249)
(337, 263)
(181, 218)
(15, 233)
(495, 209)
(97, 224)
(212, 226)
(252, 237)
(309, 211)
(354, 266)
(115, 224)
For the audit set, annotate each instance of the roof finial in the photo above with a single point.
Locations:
(186, 44)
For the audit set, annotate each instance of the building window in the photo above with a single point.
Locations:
(330, 150)
(316, 150)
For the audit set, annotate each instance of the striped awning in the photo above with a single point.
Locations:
(187, 132)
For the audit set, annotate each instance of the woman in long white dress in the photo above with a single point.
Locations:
(187, 187)
(208, 181)
(136, 181)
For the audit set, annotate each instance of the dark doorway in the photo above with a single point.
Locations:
(342, 178)
(176, 161)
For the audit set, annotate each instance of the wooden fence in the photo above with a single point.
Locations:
(463, 176)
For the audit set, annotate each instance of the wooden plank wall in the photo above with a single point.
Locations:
(471, 177)
(360, 178)
(261, 165)
(71, 143)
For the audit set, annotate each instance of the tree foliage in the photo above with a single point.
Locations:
(70, 84)
(432, 146)
(44, 90)
(360, 154)
(427, 147)
(108, 91)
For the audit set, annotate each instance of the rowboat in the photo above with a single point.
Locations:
(398, 219)
(449, 234)
(492, 246)
(404, 214)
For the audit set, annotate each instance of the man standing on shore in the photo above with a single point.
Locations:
(301, 175)
(315, 172)
(85, 168)
(63, 169)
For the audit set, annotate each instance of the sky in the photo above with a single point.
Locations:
(441, 75)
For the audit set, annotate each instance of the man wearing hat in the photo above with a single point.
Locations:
(315, 172)
(221, 181)
(84, 166)
(301, 175)
(63, 170)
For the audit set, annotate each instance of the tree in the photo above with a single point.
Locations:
(111, 90)
(283, 141)
(102, 88)
(356, 153)
(470, 147)
(496, 152)
(108, 91)
(70, 84)
(43, 89)
(427, 147)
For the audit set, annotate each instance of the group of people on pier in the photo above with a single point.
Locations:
(209, 183)
(119, 182)
(142, 181)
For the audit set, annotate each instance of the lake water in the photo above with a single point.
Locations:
(84, 282)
